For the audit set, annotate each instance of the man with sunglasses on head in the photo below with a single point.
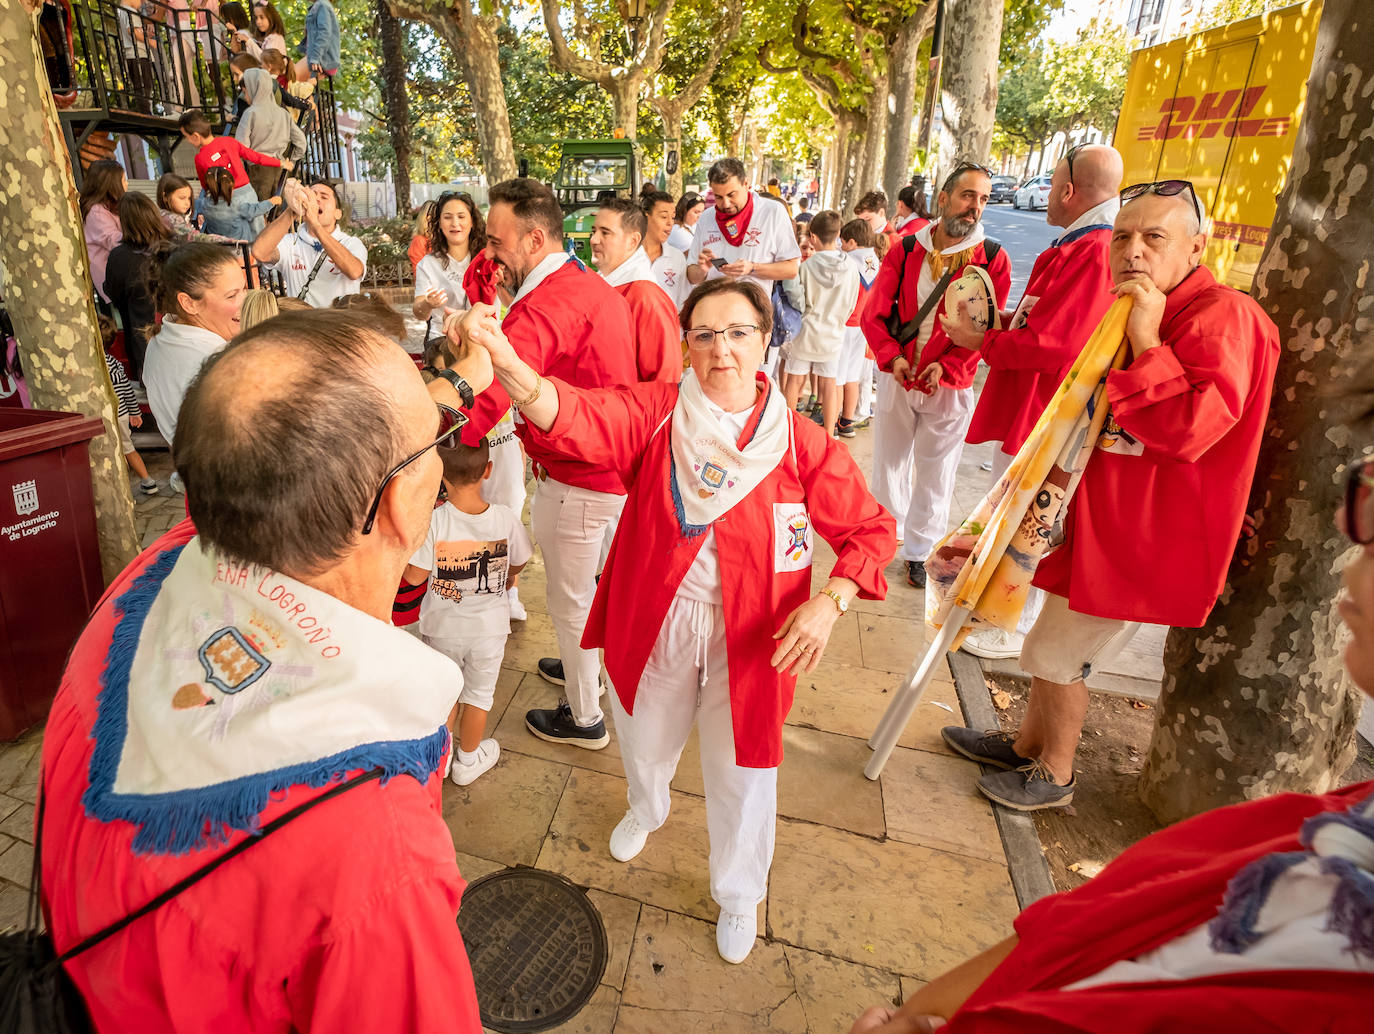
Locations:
(923, 407)
(1151, 529)
(566, 321)
(244, 666)
(1069, 290)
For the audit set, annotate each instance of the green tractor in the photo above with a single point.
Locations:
(589, 171)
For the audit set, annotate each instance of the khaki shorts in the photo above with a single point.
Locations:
(1065, 646)
(126, 441)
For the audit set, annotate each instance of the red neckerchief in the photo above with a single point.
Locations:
(734, 226)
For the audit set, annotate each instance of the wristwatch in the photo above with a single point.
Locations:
(841, 604)
(461, 386)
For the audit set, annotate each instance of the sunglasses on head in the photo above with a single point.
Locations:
(1069, 156)
(450, 423)
(962, 168)
(1356, 517)
(1164, 188)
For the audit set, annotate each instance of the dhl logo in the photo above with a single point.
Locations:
(1225, 113)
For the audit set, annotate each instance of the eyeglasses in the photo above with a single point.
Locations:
(450, 423)
(1164, 188)
(1356, 517)
(962, 168)
(1068, 157)
(702, 338)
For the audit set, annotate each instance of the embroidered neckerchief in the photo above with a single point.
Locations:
(709, 469)
(1334, 876)
(735, 226)
(227, 683)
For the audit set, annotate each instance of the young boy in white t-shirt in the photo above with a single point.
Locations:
(471, 550)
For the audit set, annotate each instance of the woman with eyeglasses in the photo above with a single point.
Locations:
(704, 607)
(1257, 916)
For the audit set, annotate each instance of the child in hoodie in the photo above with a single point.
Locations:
(826, 290)
(238, 219)
(267, 128)
(857, 242)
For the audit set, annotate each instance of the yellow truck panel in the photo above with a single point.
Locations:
(1221, 108)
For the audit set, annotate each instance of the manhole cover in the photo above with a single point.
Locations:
(537, 948)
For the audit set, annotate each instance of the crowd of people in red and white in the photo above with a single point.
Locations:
(338, 603)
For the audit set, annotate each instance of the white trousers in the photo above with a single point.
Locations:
(507, 482)
(570, 524)
(1035, 598)
(864, 409)
(688, 677)
(912, 430)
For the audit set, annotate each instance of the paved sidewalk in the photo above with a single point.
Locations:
(875, 887)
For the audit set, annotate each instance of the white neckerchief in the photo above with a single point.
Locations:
(636, 267)
(226, 683)
(1098, 214)
(546, 267)
(710, 472)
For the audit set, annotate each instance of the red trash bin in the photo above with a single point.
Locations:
(50, 577)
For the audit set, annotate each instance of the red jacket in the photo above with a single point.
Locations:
(227, 153)
(573, 326)
(959, 364)
(1150, 532)
(342, 921)
(1068, 294)
(1156, 891)
(625, 431)
(658, 335)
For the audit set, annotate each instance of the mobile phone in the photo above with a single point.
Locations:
(719, 263)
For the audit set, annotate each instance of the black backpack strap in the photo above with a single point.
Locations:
(990, 250)
(184, 884)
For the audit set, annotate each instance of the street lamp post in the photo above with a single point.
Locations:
(634, 12)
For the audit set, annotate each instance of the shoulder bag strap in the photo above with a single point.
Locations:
(314, 272)
(243, 845)
(907, 332)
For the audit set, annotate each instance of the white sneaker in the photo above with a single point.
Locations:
(176, 484)
(628, 838)
(517, 609)
(994, 644)
(488, 751)
(735, 934)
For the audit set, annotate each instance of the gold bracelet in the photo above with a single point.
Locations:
(538, 386)
(836, 599)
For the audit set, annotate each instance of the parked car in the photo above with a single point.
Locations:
(1003, 189)
(1033, 194)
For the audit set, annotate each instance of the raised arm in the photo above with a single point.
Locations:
(267, 243)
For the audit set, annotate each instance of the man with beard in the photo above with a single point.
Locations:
(923, 409)
(566, 322)
(618, 234)
(746, 237)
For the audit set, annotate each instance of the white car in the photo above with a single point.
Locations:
(1033, 194)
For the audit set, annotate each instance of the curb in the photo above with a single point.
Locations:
(1030, 873)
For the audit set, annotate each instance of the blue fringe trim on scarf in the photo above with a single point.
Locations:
(1233, 930)
(188, 820)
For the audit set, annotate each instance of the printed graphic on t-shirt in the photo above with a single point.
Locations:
(791, 537)
(469, 569)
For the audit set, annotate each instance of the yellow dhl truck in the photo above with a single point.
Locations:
(1221, 108)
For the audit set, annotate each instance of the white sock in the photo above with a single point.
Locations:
(467, 757)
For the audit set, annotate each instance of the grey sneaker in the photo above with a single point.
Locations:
(990, 748)
(1031, 788)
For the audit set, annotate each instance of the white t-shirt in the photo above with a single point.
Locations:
(175, 355)
(681, 237)
(431, 273)
(467, 556)
(296, 257)
(769, 238)
(670, 273)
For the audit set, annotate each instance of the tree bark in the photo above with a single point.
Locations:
(1257, 703)
(870, 171)
(48, 288)
(624, 91)
(476, 50)
(902, 74)
(848, 194)
(969, 87)
(395, 102)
